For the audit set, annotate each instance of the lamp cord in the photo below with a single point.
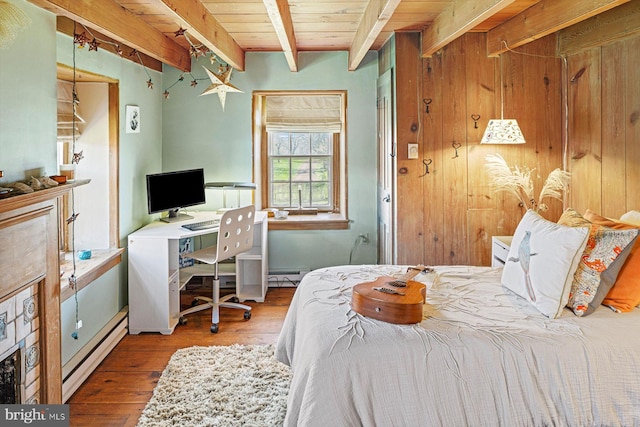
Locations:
(501, 91)
(357, 242)
(504, 42)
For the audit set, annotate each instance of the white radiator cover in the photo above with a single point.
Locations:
(78, 369)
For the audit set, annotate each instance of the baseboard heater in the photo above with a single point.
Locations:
(285, 279)
(78, 369)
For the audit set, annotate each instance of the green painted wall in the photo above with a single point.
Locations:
(28, 144)
(198, 133)
(28, 99)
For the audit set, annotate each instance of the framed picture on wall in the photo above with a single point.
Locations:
(132, 119)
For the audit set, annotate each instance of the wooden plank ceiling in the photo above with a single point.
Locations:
(231, 28)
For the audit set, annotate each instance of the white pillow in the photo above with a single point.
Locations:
(631, 217)
(553, 252)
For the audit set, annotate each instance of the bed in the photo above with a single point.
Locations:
(482, 355)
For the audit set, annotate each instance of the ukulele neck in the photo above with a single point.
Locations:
(414, 271)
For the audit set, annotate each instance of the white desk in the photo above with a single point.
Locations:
(155, 276)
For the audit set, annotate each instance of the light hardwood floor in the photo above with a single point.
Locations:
(117, 391)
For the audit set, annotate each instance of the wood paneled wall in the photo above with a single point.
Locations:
(448, 215)
(603, 98)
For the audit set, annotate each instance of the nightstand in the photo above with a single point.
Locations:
(500, 250)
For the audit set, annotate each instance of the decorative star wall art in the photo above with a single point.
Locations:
(220, 85)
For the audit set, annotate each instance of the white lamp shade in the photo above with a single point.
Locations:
(502, 131)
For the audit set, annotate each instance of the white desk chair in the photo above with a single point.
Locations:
(235, 236)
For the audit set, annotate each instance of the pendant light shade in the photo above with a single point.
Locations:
(502, 131)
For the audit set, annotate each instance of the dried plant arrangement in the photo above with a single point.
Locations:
(519, 183)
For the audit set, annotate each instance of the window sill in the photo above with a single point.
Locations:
(321, 221)
(101, 261)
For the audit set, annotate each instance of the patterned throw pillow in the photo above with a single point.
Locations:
(590, 284)
(625, 293)
(542, 261)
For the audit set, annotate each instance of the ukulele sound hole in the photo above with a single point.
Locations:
(398, 283)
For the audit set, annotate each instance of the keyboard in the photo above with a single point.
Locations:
(202, 225)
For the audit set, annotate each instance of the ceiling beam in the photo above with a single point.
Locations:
(541, 19)
(111, 19)
(458, 18)
(280, 16)
(607, 27)
(65, 25)
(194, 17)
(375, 17)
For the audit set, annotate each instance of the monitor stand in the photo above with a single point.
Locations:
(175, 216)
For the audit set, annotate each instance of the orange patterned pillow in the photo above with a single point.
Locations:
(625, 293)
(600, 262)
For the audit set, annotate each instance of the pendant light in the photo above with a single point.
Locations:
(502, 131)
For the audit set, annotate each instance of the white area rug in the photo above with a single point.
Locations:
(238, 385)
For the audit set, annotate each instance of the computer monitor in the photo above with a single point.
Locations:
(172, 191)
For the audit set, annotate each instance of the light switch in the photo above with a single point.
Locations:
(413, 151)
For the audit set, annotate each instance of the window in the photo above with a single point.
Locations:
(300, 169)
(97, 202)
(299, 140)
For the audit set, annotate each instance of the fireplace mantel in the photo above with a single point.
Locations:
(21, 200)
(29, 254)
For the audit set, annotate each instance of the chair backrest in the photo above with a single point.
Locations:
(236, 231)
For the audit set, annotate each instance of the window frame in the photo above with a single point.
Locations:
(101, 260)
(335, 218)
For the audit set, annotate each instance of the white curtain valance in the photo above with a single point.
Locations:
(304, 113)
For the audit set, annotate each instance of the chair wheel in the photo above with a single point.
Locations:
(214, 328)
(182, 320)
(247, 315)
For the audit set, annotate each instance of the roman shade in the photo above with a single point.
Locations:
(304, 113)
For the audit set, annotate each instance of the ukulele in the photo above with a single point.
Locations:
(392, 300)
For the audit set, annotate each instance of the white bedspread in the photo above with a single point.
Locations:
(481, 357)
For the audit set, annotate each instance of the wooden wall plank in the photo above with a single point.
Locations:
(455, 169)
(632, 120)
(433, 182)
(541, 101)
(613, 131)
(584, 130)
(410, 234)
(483, 81)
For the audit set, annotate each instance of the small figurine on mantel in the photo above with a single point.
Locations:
(41, 183)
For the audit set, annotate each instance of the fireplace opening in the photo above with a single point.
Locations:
(10, 380)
